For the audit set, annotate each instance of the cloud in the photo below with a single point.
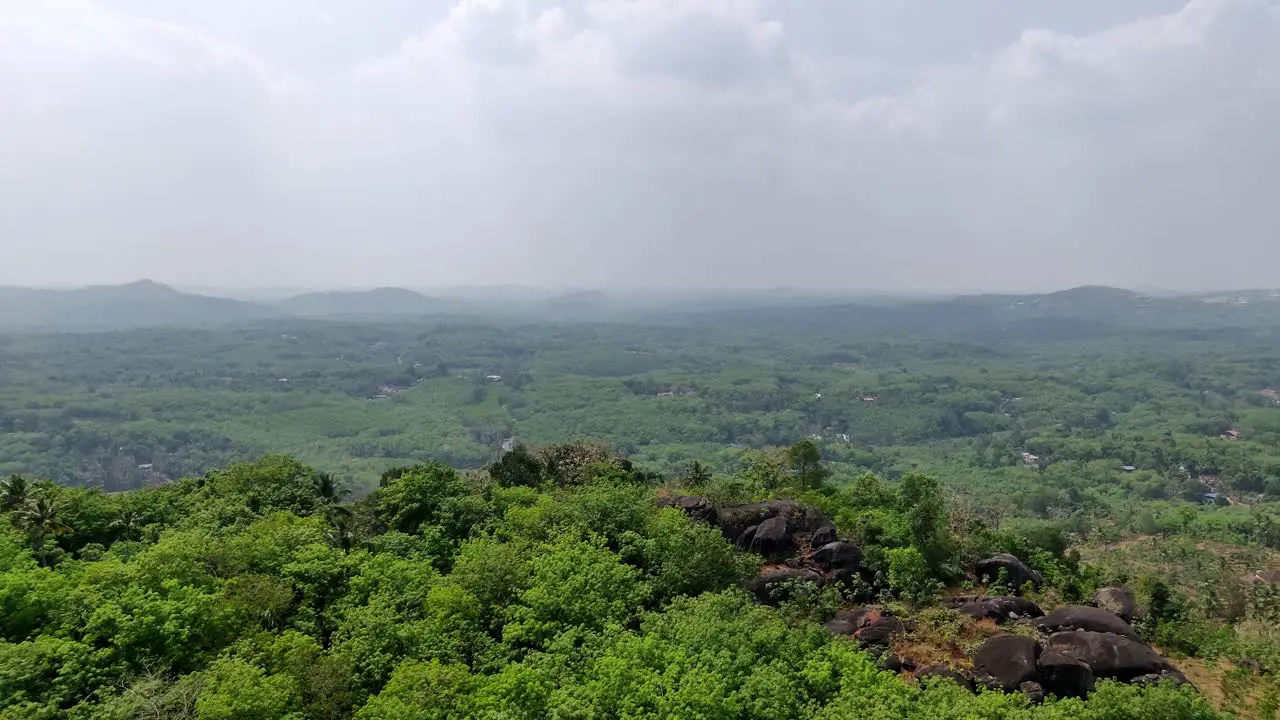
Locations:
(663, 142)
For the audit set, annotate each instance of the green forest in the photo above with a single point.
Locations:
(780, 510)
(554, 585)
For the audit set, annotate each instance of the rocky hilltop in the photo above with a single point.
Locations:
(1021, 649)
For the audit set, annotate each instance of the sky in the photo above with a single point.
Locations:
(843, 144)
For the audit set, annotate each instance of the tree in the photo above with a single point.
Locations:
(39, 518)
(697, 475)
(329, 491)
(127, 524)
(13, 492)
(237, 690)
(920, 499)
(341, 531)
(517, 468)
(805, 461)
(419, 495)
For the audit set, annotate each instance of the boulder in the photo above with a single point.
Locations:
(1083, 617)
(838, 556)
(1000, 608)
(1005, 662)
(941, 670)
(1116, 601)
(1170, 675)
(733, 521)
(1253, 666)
(880, 632)
(1064, 675)
(847, 622)
(838, 577)
(695, 506)
(1033, 690)
(1016, 572)
(824, 535)
(893, 663)
(769, 586)
(772, 538)
(1108, 655)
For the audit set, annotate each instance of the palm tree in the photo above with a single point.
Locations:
(13, 492)
(329, 490)
(39, 518)
(698, 474)
(127, 524)
(329, 493)
(341, 532)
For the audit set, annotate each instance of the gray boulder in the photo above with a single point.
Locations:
(893, 663)
(1001, 608)
(1064, 675)
(772, 584)
(695, 506)
(880, 632)
(946, 672)
(824, 535)
(1017, 573)
(838, 556)
(1033, 690)
(1005, 662)
(1108, 655)
(733, 521)
(848, 622)
(1083, 617)
(772, 538)
(1116, 601)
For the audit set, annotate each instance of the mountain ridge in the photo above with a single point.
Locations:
(148, 303)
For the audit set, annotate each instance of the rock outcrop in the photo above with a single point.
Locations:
(695, 506)
(837, 555)
(1116, 601)
(879, 634)
(798, 541)
(1064, 675)
(1007, 661)
(734, 521)
(772, 584)
(1033, 690)
(1016, 572)
(824, 535)
(1108, 655)
(1083, 617)
(1000, 608)
(946, 672)
(772, 538)
(848, 622)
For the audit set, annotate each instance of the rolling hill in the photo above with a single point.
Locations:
(112, 307)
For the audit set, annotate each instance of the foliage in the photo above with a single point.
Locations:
(462, 598)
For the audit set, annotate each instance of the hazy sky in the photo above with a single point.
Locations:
(1012, 144)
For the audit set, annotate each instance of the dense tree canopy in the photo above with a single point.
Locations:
(465, 596)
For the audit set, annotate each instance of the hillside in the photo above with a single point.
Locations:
(103, 307)
(563, 582)
(379, 302)
(1068, 313)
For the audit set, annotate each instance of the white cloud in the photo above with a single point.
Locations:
(663, 141)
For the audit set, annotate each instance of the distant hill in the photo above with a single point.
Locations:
(379, 302)
(110, 307)
(1077, 312)
(1082, 311)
